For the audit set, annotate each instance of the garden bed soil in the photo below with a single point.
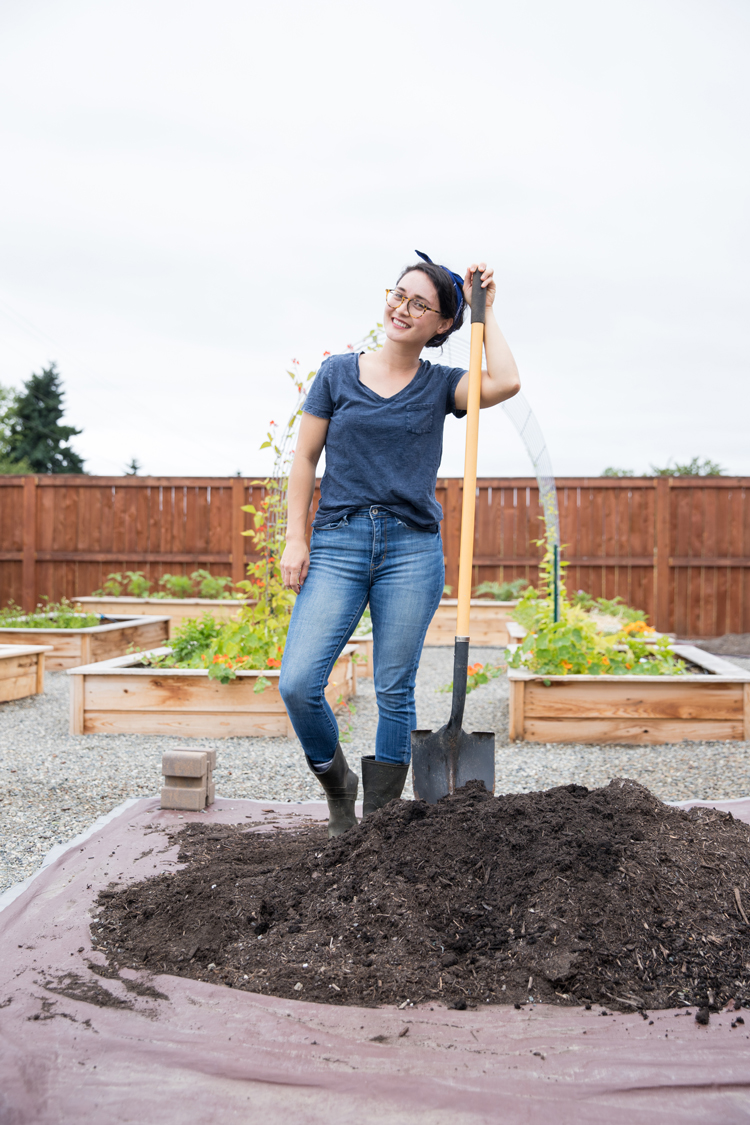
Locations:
(711, 703)
(127, 696)
(111, 638)
(176, 609)
(488, 625)
(568, 896)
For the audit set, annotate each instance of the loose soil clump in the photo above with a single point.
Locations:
(567, 896)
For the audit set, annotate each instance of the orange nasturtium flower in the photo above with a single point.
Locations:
(474, 668)
(273, 662)
(566, 665)
(638, 627)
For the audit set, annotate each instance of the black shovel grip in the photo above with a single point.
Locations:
(478, 298)
(460, 671)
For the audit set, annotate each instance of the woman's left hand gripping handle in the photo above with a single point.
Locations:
(295, 563)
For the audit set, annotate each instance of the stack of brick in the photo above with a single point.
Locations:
(188, 779)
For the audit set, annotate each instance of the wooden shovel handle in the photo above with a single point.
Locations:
(466, 556)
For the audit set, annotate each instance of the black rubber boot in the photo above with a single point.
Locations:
(341, 785)
(382, 782)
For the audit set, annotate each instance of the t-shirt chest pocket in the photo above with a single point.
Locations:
(419, 419)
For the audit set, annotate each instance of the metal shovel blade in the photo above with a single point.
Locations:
(444, 760)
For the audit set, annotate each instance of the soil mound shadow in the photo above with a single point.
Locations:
(566, 895)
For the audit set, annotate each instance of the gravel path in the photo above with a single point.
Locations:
(53, 785)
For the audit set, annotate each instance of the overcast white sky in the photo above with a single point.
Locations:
(193, 194)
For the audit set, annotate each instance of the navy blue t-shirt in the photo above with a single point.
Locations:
(382, 451)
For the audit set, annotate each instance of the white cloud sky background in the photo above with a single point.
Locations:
(193, 194)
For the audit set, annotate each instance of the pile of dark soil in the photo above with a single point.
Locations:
(566, 895)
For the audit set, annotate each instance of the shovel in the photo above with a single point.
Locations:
(445, 760)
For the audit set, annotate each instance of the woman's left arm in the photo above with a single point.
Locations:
(500, 380)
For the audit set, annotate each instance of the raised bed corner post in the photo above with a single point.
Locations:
(238, 526)
(28, 579)
(662, 550)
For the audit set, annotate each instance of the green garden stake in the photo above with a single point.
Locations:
(556, 583)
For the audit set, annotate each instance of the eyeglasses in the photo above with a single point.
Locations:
(414, 306)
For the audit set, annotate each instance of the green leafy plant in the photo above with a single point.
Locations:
(138, 584)
(345, 721)
(574, 645)
(177, 586)
(49, 615)
(210, 585)
(200, 584)
(502, 591)
(224, 648)
(610, 607)
(478, 674)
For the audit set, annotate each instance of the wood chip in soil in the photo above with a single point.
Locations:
(568, 896)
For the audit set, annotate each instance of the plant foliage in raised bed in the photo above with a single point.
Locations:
(575, 644)
(48, 615)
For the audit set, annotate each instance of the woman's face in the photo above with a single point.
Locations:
(401, 325)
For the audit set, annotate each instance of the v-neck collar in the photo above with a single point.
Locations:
(387, 398)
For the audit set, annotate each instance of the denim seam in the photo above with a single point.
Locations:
(320, 687)
(385, 547)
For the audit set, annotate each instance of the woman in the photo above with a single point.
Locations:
(376, 534)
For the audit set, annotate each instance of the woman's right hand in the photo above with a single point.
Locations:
(295, 563)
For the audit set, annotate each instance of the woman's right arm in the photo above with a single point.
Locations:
(311, 439)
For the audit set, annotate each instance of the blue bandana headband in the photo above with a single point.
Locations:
(458, 282)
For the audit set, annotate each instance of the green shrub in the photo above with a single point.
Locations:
(176, 586)
(502, 591)
(210, 586)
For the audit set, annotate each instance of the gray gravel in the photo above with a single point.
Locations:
(53, 785)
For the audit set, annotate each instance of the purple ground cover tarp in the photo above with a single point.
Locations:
(208, 1053)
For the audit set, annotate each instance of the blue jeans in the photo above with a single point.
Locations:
(367, 556)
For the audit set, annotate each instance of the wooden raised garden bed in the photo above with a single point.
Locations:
(22, 670)
(489, 623)
(176, 610)
(709, 706)
(363, 647)
(71, 647)
(123, 696)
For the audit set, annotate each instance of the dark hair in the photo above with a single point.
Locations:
(447, 298)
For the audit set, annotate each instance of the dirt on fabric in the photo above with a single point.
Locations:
(568, 896)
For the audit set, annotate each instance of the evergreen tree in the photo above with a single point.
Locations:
(36, 435)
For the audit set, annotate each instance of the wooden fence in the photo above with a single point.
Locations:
(679, 548)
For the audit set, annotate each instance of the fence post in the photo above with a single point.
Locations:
(452, 531)
(238, 525)
(661, 553)
(28, 577)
